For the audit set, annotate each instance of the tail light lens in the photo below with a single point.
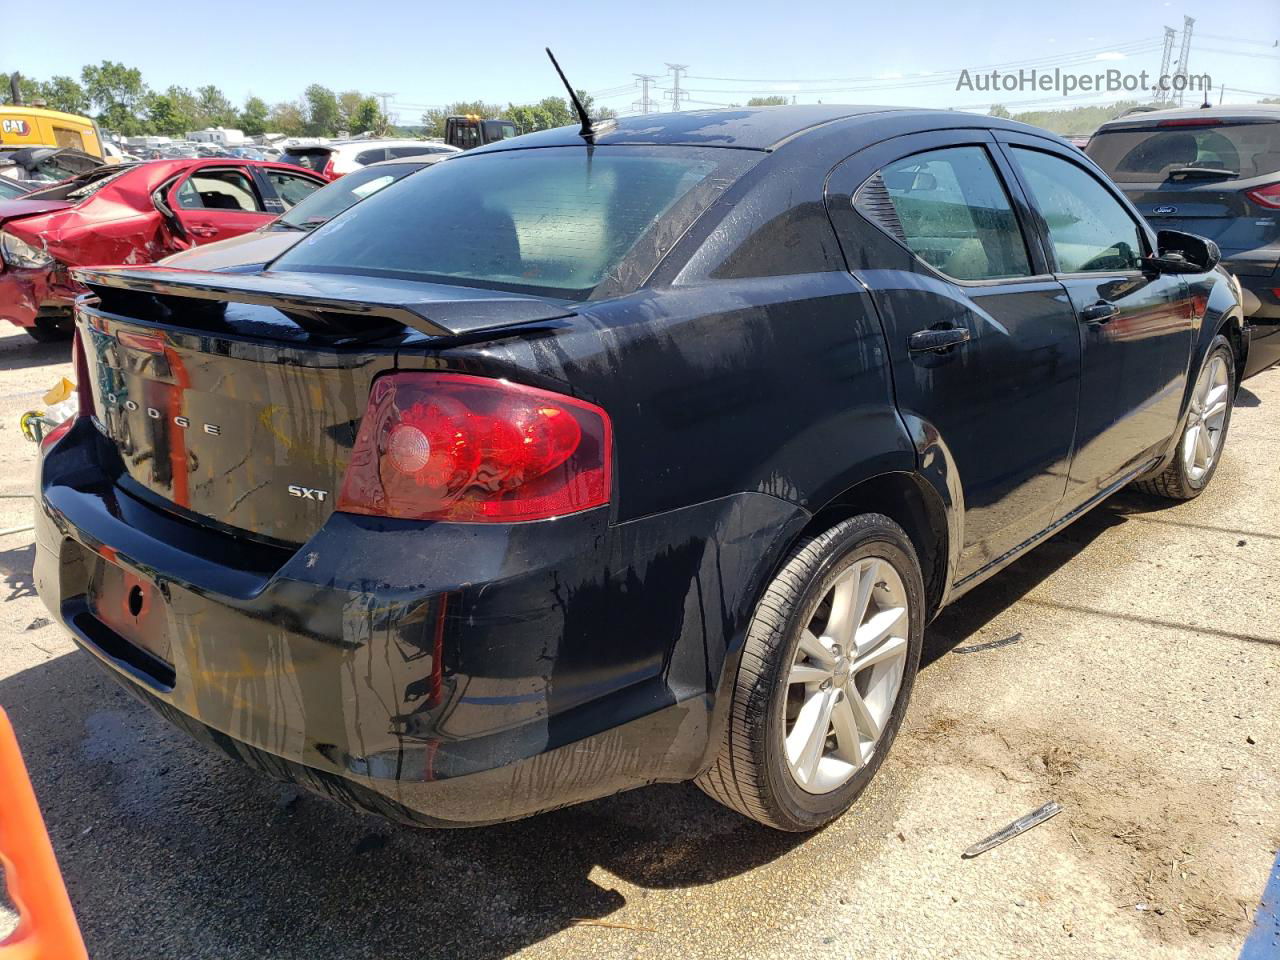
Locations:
(328, 168)
(1268, 196)
(443, 446)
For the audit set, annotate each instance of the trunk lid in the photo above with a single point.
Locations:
(235, 400)
(17, 209)
(1215, 209)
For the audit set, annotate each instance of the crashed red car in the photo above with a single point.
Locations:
(127, 215)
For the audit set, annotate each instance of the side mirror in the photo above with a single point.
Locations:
(1179, 252)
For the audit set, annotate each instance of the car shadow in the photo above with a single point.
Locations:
(1247, 398)
(22, 353)
(166, 845)
(972, 612)
(16, 568)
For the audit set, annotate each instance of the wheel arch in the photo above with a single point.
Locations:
(912, 502)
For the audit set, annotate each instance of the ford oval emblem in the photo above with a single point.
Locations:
(1165, 210)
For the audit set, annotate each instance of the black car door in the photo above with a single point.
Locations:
(1134, 323)
(983, 341)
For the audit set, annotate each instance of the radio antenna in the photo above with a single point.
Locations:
(588, 131)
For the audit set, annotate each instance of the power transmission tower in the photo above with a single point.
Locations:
(645, 104)
(675, 94)
(1187, 24)
(384, 97)
(1166, 58)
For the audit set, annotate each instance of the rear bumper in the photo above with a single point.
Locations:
(27, 294)
(441, 674)
(1262, 311)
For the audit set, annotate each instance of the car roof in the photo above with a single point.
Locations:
(419, 160)
(745, 128)
(1226, 111)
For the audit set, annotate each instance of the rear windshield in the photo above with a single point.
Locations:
(311, 159)
(327, 202)
(1239, 149)
(566, 222)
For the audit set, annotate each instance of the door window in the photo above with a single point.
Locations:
(950, 208)
(219, 190)
(366, 157)
(1089, 230)
(290, 187)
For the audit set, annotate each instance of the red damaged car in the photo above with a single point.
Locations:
(125, 215)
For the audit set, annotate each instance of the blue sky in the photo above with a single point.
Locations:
(432, 54)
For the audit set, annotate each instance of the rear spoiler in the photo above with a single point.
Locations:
(334, 303)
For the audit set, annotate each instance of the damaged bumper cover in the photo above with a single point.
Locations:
(440, 674)
(28, 293)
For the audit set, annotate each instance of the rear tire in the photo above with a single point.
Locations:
(1204, 434)
(859, 582)
(50, 329)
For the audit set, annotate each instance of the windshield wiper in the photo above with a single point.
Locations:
(1178, 173)
(286, 225)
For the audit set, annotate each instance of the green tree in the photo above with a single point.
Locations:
(118, 93)
(999, 110)
(63, 93)
(323, 117)
(367, 118)
(213, 108)
(287, 118)
(773, 101)
(348, 103)
(253, 118)
(163, 116)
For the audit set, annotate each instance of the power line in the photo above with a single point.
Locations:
(1129, 46)
(675, 94)
(1261, 43)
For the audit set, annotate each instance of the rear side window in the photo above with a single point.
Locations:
(291, 188)
(366, 157)
(414, 151)
(309, 159)
(1191, 149)
(1089, 229)
(565, 221)
(950, 208)
(219, 190)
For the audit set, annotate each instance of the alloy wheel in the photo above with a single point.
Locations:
(1206, 419)
(845, 677)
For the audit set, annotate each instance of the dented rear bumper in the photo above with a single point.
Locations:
(26, 294)
(444, 674)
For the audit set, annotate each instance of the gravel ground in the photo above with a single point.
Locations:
(1141, 696)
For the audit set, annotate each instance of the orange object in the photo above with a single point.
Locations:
(47, 928)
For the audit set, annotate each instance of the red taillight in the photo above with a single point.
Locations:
(1190, 122)
(327, 171)
(80, 364)
(1268, 196)
(444, 446)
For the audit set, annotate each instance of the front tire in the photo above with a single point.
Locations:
(1205, 432)
(826, 673)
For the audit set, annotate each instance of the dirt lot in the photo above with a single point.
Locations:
(1142, 697)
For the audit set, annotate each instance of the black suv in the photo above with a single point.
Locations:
(580, 464)
(1215, 172)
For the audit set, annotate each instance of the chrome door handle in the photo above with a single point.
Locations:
(925, 341)
(1099, 313)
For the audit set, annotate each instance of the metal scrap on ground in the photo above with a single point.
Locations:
(979, 647)
(1021, 825)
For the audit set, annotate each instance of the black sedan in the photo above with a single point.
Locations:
(584, 462)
